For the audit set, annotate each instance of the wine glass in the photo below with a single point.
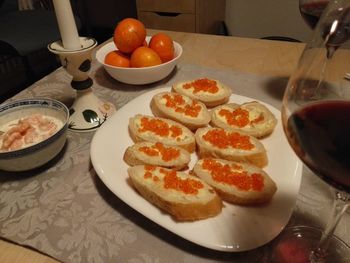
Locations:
(316, 121)
(311, 10)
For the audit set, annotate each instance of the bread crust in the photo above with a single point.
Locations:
(256, 156)
(181, 206)
(134, 156)
(232, 193)
(187, 141)
(159, 109)
(209, 99)
(261, 121)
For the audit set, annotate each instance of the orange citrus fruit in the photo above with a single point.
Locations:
(163, 45)
(144, 57)
(145, 44)
(118, 59)
(129, 34)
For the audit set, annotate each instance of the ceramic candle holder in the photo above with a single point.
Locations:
(88, 112)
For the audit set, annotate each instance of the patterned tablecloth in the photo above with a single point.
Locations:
(64, 210)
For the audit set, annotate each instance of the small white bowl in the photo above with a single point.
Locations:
(33, 156)
(138, 76)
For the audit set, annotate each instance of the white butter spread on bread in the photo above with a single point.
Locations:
(252, 118)
(230, 145)
(191, 113)
(238, 183)
(155, 129)
(184, 197)
(157, 153)
(209, 91)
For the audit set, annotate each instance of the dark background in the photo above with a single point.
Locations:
(25, 34)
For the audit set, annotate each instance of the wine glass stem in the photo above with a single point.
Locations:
(340, 205)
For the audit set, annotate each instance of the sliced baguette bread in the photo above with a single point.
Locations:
(237, 183)
(209, 91)
(230, 145)
(252, 118)
(184, 197)
(156, 153)
(155, 129)
(191, 113)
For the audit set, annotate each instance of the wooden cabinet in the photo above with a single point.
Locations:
(200, 16)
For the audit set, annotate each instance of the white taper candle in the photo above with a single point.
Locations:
(66, 24)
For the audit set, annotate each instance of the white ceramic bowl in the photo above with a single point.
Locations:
(138, 76)
(40, 153)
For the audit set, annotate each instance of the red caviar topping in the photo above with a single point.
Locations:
(205, 85)
(173, 100)
(148, 171)
(155, 178)
(147, 175)
(234, 175)
(149, 167)
(159, 127)
(150, 151)
(259, 119)
(188, 185)
(239, 117)
(167, 153)
(175, 131)
(176, 102)
(222, 139)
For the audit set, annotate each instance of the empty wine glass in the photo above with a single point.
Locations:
(316, 121)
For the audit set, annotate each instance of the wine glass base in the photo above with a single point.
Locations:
(295, 244)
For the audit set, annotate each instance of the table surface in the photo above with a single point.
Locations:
(261, 57)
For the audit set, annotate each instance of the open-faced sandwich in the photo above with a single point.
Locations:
(230, 145)
(155, 129)
(157, 153)
(191, 113)
(209, 91)
(183, 196)
(237, 183)
(252, 118)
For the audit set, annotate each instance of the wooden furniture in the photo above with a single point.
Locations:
(262, 57)
(201, 16)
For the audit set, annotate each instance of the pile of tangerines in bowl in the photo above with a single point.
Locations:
(132, 57)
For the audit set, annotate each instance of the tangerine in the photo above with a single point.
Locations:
(163, 45)
(145, 44)
(129, 34)
(144, 57)
(118, 59)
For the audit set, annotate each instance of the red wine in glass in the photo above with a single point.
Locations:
(316, 120)
(320, 135)
(311, 11)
